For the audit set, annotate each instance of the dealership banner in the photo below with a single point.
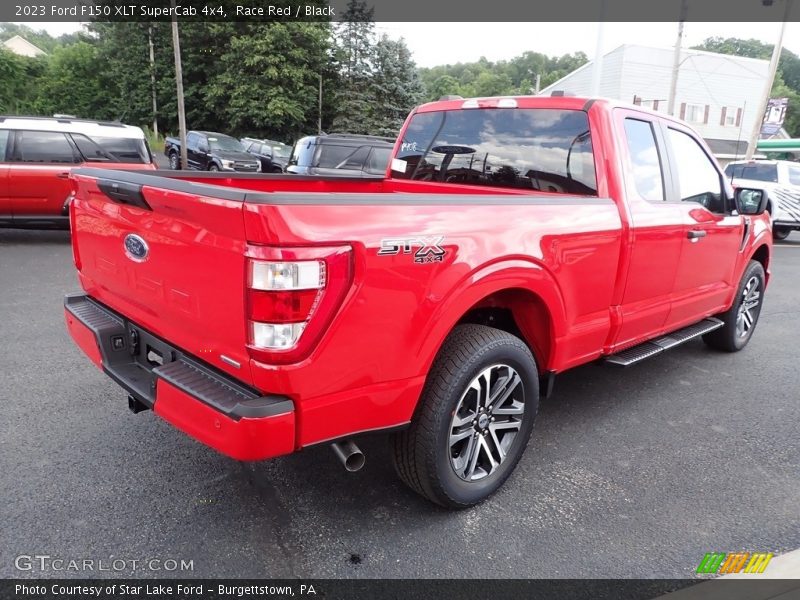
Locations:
(774, 116)
(394, 589)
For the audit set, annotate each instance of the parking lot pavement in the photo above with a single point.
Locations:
(630, 473)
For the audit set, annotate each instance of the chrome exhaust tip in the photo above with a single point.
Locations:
(349, 455)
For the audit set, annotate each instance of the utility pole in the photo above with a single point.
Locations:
(153, 80)
(176, 47)
(319, 113)
(597, 65)
(676, 60)
(773, 68)
(538, 84)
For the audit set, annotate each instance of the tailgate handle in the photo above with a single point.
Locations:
(123, 193)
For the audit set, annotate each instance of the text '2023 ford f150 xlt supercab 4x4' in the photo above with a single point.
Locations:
(511, 239)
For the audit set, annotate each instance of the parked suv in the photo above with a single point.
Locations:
(37, 153)
(781, 179)
(273, 156)
(341, 155)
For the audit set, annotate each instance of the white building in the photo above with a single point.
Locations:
(717, 94)
(19, 45)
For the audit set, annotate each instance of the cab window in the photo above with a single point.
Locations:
(645, 161)
(699, 181)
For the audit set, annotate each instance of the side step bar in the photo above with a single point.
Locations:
(657, 346)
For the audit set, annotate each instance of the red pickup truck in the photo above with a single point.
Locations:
(511, 239)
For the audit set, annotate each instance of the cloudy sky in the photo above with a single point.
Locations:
(465, 42)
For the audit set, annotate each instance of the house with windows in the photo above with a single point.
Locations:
(717, 94)
(22, 47)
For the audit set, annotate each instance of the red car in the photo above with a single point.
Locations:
(512, 239)
(36, 155)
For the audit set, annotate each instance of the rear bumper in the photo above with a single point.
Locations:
(204, 403)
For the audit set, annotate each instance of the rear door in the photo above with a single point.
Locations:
(5, 199)
(657, 229)
(39, 173)
(712, 238)
(185, 281)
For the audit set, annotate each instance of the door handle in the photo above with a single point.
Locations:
(695, 234)
(63, 175)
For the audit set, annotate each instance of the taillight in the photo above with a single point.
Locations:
(293, 294)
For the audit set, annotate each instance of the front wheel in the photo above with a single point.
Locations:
(780, 233)
(474, 418)
(213, 167)
(740, 320)
(174, 162)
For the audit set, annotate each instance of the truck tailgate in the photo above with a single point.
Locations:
(171, 261)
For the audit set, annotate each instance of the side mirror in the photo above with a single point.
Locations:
(203, 148)
(750, 201)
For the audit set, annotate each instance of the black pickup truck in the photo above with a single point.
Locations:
(210, 151)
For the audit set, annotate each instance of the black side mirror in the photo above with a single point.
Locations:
(750, 201)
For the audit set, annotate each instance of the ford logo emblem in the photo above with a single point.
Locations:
(135, 247)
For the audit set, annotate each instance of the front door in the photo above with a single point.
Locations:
(704, 281)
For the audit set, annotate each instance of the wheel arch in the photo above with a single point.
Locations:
(521, 298)
(762, 255)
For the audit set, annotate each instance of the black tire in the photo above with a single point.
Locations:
(734, 335)
(213, 167)
(780, 233)
(424, 455)
(174, 161)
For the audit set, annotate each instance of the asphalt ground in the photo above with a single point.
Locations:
(630, 473)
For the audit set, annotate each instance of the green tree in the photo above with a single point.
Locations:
(354, 53)
(396, 86)
(71, 84)
(267, 81)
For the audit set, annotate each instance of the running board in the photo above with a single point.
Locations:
(658, 345)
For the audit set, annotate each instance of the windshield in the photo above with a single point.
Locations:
(794, 175)
(754, 171)
(109, 149)
(223, 142)
(540, 149)
(281, 151)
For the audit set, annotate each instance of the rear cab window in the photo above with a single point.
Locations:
(548, 150)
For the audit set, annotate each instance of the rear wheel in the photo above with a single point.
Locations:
(174, 162)
(780, 233)
(740, 320)
(474, 419)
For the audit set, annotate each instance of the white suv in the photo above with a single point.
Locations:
(781, 180)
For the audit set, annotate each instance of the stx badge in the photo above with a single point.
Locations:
(428, 250)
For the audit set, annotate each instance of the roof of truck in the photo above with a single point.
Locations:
(113, 129)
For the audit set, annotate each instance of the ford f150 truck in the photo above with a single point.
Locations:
(210, 151)
(511, 239)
